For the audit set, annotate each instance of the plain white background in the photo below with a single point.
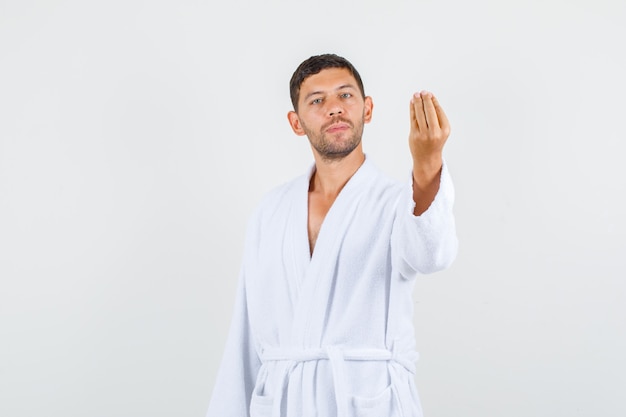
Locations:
(137, 136)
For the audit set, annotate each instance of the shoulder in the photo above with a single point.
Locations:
(381, 186)
(280, 196)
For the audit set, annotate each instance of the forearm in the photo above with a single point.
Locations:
(427, 243)
(426, 180)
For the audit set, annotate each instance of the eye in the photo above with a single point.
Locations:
(346, 95)
(316, 101)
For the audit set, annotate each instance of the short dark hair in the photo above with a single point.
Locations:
(313, 66)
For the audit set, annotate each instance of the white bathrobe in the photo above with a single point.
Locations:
(332, 334)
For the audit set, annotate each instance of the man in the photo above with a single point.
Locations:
(323, 322)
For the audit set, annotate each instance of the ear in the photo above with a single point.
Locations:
(294, 122)
(368, 108)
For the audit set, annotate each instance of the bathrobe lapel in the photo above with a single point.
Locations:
(317, 271)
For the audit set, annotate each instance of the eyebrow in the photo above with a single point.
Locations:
(341, 87)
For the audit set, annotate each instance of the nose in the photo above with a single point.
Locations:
(334, 108)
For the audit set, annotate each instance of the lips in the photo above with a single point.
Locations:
(337, 127)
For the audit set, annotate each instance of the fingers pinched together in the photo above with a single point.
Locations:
(429, 126)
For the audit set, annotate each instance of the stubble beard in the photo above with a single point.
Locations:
(331, 150)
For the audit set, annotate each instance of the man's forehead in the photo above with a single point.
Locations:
(328, 79)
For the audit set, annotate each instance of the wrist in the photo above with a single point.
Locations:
(427, 166)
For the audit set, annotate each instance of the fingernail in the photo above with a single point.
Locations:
(416, 95)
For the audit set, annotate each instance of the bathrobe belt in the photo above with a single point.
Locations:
(337, 356)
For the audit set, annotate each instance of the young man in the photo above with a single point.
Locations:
(323, 322)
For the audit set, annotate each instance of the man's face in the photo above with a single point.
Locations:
(331, 112)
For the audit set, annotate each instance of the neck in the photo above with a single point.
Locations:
(330, 176)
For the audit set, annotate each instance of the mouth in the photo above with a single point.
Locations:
(337, 127)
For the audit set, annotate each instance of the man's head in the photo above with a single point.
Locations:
(330, 107)
(313, 66)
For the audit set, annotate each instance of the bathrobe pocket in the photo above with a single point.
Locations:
(381, 404)
(261, 405)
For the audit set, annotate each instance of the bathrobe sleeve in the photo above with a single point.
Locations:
(426, 243)
(240, 364)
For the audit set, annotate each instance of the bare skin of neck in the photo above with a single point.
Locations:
(326, 183)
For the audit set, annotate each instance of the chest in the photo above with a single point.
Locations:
(351, 261)
(318, 208)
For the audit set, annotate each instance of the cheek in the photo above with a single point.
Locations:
(308, 120)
